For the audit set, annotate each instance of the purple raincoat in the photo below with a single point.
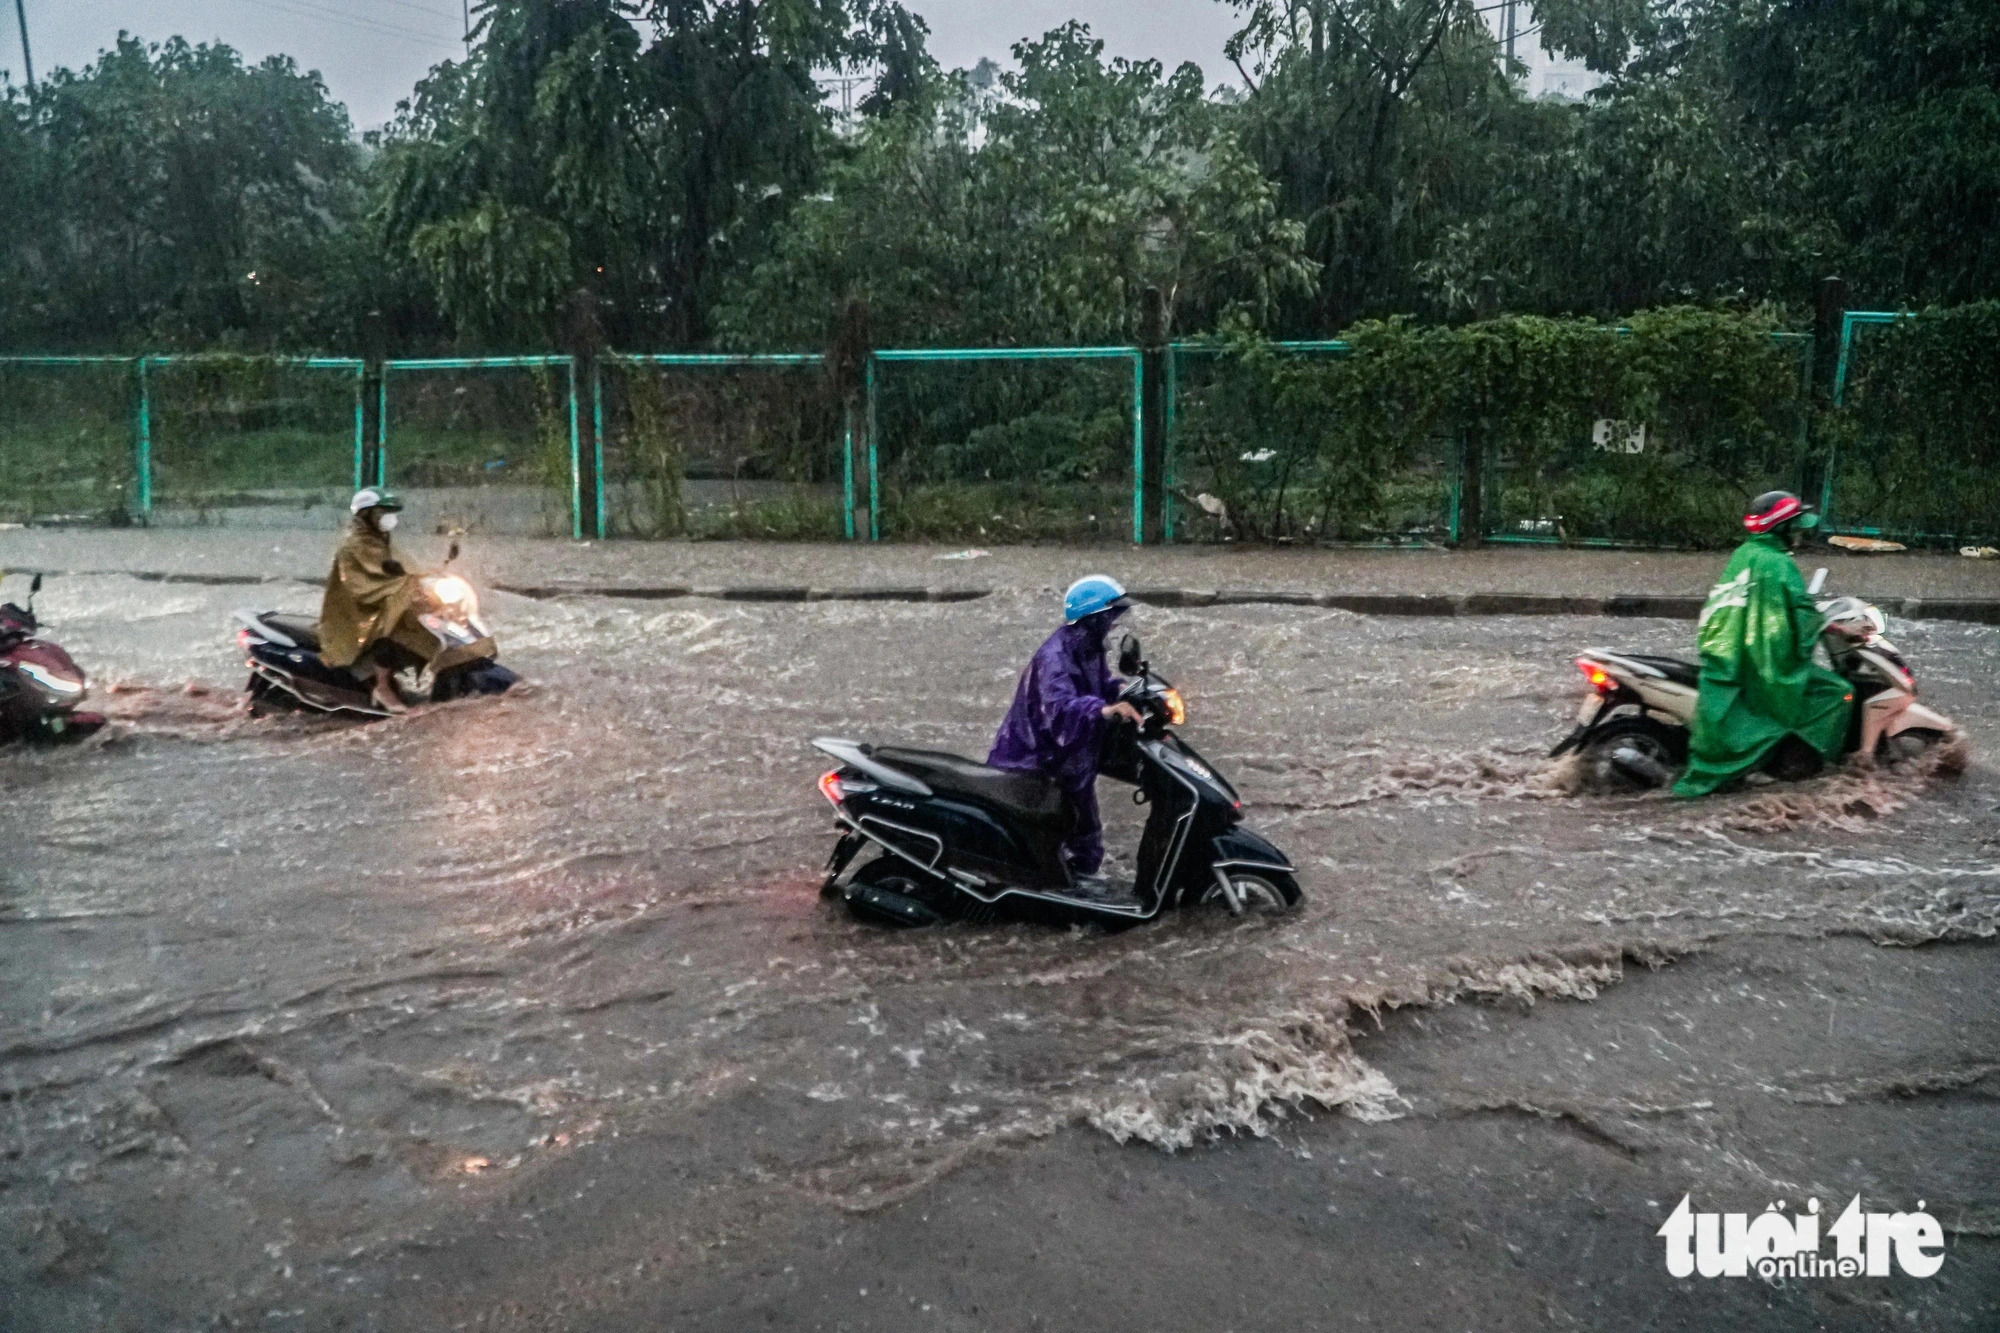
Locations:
(1056, 723)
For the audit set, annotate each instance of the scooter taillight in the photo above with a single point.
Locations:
(829, 787)
(1600, 680)
(243, 639)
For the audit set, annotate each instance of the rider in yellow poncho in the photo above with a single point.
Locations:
(1759, 684)
(368, 616)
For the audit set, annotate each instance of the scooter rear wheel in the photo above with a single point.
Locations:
(889, 892)
(1631, 754)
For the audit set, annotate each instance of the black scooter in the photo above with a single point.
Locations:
(286, 672)
(958, 841)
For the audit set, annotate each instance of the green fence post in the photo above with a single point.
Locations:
(575, 462)
(597, 437)
(1452, 493)
(874, 479)
(1167, 447)
(1847, 323)
(382, 427)
(1138, 448)
(143, 443)
(360, 427)
(847, 468)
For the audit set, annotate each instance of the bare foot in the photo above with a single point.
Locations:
(386, 700)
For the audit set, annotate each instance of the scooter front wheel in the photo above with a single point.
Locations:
(1264, 893)
(266, 699)
(1912, 744)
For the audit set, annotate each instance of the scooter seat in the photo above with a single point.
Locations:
(1673, 668)
(1029, 795)
(302, 630)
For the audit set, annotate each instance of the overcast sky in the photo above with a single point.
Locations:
(371, 51)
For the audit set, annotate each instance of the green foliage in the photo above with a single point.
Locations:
(1339, 447)
(1917, 442)
(566, 153)
(1382, 125)
(1046, 447)
(1031, 207)
(169, 195)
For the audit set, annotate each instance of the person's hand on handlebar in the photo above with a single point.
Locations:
(1121, 709)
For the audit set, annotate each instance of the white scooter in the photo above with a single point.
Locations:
(1632, 728)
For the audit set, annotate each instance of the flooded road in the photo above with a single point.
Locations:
(289, 1002)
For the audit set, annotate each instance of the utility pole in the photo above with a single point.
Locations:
(465, 15)
(27, 57)
(1510, 38)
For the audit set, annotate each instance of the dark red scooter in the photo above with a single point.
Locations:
(40, 686)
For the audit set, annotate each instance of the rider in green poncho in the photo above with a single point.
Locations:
(1758, 681)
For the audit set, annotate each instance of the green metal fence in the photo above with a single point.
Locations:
(1595, 481)
(1235, 467)
(72, 439)
(720, 444)
(486, 443)
(1038, 449)
(1914, 450)
(1027, 442)
(248, 441)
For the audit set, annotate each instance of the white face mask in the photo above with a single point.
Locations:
(388, 522)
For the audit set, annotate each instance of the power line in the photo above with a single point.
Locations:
(422, 9)
(309, 10)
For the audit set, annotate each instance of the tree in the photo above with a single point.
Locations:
(567, 152)
(1370, 116)
(169, 191)
(1034, 208)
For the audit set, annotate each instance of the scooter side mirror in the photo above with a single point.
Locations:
(451, 554)
(1128, 656)
(35, 585)
(1818, 581)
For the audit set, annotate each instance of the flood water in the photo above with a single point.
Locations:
(317, 987)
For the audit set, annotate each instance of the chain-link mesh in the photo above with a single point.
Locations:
(719, 448)
(252, 441)
(1005, 450)
(1916, 443)
(480, 447)
(1680, 477)
(1242, 465)
(67, 441)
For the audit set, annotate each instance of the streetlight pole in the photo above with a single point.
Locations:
(27, 57)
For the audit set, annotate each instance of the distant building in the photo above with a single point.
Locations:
(1548, 74)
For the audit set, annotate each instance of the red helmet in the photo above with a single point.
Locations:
(1773, 509)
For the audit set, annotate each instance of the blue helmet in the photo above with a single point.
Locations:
(1089, 595)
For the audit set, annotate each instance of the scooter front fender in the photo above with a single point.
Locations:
(1916, 717)
(1241, 847)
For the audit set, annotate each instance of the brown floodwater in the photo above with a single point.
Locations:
(326, 986)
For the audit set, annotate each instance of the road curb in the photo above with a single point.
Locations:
(1661, 606)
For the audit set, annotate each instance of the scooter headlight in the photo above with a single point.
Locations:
(1176, 706)
(49, 680)
(456, 593)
